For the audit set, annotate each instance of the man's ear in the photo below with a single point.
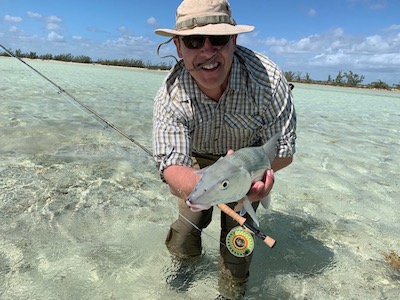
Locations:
(234, 40)
(177, 43)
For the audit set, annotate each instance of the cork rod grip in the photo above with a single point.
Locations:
(230, 212)
(242, 222)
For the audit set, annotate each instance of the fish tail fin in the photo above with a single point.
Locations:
(250, 210)
(270, 147)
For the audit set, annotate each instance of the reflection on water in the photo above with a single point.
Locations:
(84, 214)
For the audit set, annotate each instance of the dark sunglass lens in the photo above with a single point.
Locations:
(197, 41)
(219, 40)
(194, 42)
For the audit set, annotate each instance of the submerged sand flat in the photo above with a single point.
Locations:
(83, 213)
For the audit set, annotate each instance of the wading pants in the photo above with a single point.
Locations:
(184, 241)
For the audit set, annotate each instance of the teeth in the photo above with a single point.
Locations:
(210, 66)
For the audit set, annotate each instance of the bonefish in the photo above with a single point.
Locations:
(229, 179)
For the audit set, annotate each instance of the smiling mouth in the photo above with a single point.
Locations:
(210, 66)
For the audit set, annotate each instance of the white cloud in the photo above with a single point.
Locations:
(123, 29)
(53, 19)
(275, 42)
(386, 59)
(52, 26)
(373, 44)
(12, 19)
(335, 50)
(376, 4)
(338, 32)
(30, 39)
(152, 21)
(331, 59)
(96, 29)
(394, 27)
(137, 47)
(125, 41)
(54, 37)
(371, 4)
(312, 12)
(304, 45)
(34, 15)
(77, 37)
(13, 29)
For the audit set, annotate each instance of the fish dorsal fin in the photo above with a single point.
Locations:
(201, 171)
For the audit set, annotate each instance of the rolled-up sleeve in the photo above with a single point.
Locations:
(285, 119)
(171, 142)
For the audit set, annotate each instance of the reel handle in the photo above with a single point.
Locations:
(243, 222)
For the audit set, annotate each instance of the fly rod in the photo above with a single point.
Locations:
(240, 243)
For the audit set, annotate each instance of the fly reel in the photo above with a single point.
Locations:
(240, 242)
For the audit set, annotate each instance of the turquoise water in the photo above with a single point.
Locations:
(83, 214)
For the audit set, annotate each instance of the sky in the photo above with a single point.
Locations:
(314, 37)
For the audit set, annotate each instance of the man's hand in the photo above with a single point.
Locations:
(260, 189)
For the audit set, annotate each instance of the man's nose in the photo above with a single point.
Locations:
(208, 46)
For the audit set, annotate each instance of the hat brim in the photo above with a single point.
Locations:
(210, 29)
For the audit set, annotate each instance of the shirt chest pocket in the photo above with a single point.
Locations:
(243, 121)
(244, 130)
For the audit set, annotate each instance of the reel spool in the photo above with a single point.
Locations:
(240, 242)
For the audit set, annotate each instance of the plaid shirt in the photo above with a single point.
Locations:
(256, 104)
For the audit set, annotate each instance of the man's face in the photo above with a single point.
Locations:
(212, 78)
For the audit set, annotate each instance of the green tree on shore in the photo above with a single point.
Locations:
(68, 57)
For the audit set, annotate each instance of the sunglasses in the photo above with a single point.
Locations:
(197, 41)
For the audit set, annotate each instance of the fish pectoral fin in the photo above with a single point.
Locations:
(250, 210)
(239, 208)
(266, 201)
(242, 211)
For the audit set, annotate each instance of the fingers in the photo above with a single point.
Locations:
(269, 181)
(230, 152)
(261, 189)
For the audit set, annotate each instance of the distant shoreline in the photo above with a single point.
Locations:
(54, 61)
(345, 87)
(166, 71)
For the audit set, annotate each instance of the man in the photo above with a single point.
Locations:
(219, 97)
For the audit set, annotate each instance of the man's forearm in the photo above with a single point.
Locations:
(281, 162)
(181, 180)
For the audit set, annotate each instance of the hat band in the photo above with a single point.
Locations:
(201, 21)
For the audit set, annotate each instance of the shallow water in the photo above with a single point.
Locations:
(84, 214)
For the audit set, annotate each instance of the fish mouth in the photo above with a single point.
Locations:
(199, 207)
(190, 199)
(194, 197)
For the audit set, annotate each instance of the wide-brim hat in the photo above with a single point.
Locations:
(204, 17)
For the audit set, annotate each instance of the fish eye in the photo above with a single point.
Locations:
(224, 184)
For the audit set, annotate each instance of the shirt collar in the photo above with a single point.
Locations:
(235, 80)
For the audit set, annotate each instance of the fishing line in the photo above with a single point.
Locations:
(72, 97)
(105, 124)
(238, 242)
